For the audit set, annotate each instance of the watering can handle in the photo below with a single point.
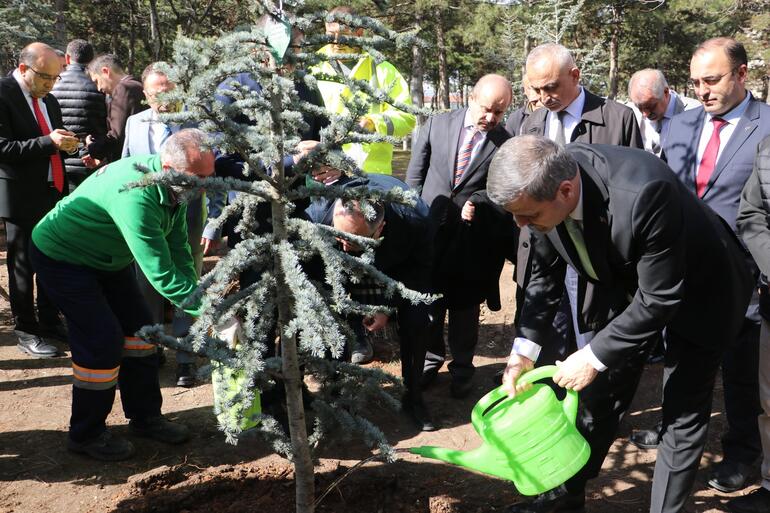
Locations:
(570, 403)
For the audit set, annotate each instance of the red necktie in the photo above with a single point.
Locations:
(464, 157)
(709, 160)
(57, 166)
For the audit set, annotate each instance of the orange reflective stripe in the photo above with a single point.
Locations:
(135, 347)
(136, 344)
(94, 375)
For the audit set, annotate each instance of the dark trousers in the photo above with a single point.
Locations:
(689, 376)
(21, 280)
(413, 327)
(103, 312)
(462, 338)
(740, 378)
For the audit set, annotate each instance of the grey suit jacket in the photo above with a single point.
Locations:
(650, 242)
(603, 122)
(137, 139)
(723, 192)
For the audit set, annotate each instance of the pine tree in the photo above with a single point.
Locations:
(306, 314)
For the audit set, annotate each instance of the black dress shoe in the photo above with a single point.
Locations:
(645, 438)
(428, 378)
(461, 388)
(34, 345)
(758, 501)
(730, 476)
(418, 412)
(186, 375)
(558, 500)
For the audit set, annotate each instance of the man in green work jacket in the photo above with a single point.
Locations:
(83, 251)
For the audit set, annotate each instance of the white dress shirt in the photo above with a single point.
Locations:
(572, 116)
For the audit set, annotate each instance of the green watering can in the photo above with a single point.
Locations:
(530, 439)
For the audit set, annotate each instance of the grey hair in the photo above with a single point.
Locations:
(554, 51)
(653, 79)
(530, 165)
(373, 212)
(175, 151)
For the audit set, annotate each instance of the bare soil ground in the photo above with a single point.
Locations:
(207, 475)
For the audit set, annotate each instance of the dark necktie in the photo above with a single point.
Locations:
(559, 121)
(709, 160)
(57, 166)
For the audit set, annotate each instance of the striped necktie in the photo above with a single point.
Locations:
(464, 157)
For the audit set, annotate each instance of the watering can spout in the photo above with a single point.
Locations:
(483, 459)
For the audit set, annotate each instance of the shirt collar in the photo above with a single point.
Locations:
(575, 109)
(734, 115)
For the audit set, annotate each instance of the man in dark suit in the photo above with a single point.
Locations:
(449, 163)
(711, 149)
(641, 244)
(126, 99)
(571, 114)
(33, 146)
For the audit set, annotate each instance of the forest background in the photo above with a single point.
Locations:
(464, 38)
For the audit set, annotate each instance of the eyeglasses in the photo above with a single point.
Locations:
(709, 81)
(45, 76)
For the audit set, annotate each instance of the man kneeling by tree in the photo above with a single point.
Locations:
(83, 252)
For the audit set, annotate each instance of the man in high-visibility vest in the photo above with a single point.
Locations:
(382, 118)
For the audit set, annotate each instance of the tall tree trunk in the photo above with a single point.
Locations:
(615, 25)
(613, 76)
(304, 478)
(416, 88)
(443, 74)
(61, 23)
(131, 36)
(527, 49)
(155, 30)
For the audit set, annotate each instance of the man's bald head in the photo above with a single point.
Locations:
(39, 67)
(649, 91)
(488, 101)
(553, 75)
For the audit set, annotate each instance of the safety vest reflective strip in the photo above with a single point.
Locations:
(94, 379)
(134, 347)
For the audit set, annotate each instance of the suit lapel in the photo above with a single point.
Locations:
(17, 98)
(692, 149)
(485, 152)
(563, 244)
(743, 130)
(453, 136)
(596, 223)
